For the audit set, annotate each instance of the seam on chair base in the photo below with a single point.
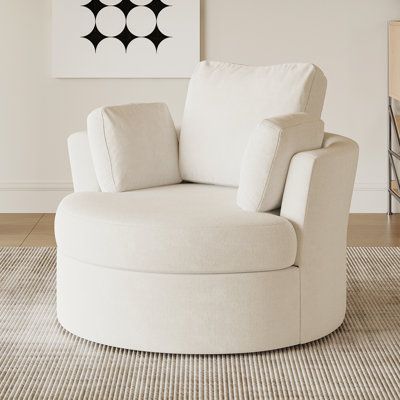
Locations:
(173, 273)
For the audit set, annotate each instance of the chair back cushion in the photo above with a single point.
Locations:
(225, 104)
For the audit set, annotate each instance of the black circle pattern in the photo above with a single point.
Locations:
(125, 36)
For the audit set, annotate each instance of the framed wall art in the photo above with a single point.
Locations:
(125, 38)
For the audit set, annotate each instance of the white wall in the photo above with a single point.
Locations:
(347, 38)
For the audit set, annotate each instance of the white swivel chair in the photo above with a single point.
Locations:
(182, 268)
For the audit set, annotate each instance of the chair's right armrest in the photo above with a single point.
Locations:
(316, 201)
(82, 169)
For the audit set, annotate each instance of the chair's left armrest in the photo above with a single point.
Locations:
(82, 169)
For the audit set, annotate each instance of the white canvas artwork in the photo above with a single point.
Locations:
(125, 38)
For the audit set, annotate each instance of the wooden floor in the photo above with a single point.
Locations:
(374, 230)
(37, 230)
(27, 230)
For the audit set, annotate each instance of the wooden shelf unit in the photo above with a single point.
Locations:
(394, 187)
(394, 121)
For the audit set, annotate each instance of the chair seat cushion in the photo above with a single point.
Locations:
(185, 228)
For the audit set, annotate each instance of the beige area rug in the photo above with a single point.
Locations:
(40, 360)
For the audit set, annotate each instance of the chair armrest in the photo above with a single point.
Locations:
(316, 201)
(82, 169)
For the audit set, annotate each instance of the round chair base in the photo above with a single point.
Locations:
(179, 313)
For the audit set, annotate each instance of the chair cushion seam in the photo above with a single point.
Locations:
(281, 221)
(175, 273)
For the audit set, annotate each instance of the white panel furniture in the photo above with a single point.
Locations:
(183, 269)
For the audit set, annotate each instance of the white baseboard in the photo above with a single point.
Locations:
(35, 186)
(370, 198)
(32, 197)
(44, 197)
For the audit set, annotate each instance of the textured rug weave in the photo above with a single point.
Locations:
(39, 360)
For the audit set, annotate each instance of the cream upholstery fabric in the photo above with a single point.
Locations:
(133, 147)
(267, 157)
(179, 313)
(214, 278)
(197, 280)
(187, 228)
(316, 201)
(226, 102)
(82, 169)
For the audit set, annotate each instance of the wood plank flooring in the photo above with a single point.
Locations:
(374, 230)
(37, 230)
